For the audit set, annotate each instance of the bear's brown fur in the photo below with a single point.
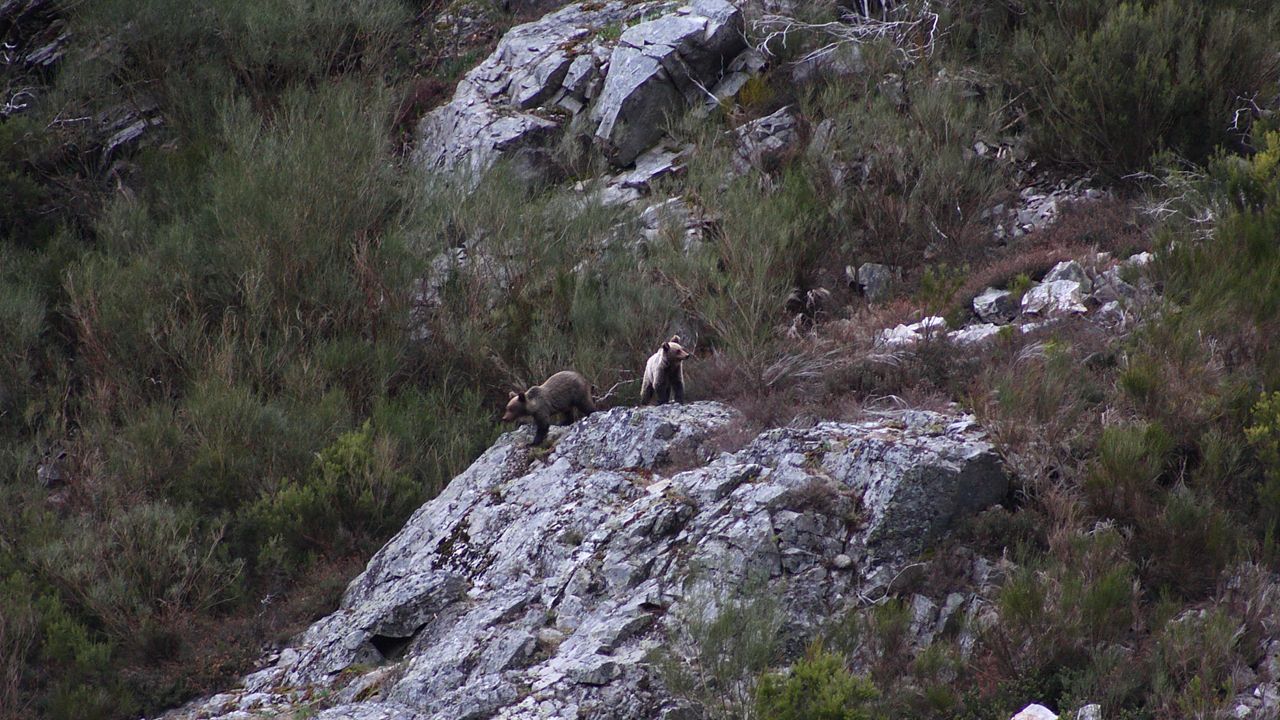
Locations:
(664, 373)
(561, 394)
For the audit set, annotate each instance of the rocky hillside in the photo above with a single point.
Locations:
(551, 584)
(984, 410)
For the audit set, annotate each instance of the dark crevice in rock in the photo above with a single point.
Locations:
(392, 648)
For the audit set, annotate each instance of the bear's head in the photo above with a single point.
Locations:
(673, 351)
(517, 407)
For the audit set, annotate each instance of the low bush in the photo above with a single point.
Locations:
(354, 492)
(818, 687)
(896, 171)
(1130, 462)
(720, 647)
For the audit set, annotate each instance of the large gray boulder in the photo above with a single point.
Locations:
(621, 66)
(660, 66)
(493, 111)
(539, 582)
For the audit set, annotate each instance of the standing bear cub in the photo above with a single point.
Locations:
(561, 394)
(664, 373)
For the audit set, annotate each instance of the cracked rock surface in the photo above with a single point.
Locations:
(622, 66)
(660, 65)
(540, 582)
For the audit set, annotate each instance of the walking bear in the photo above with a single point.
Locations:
(561, 394)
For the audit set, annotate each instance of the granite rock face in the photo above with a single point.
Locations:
(538, 584)
(660, 66)
(619, 67)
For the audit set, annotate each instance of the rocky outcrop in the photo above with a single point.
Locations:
(1092, 288)
(492, 113)
(1039, 203)
(540, 582)
(764, 143)
(621, 66)
(659, 66)
(873, 280)
(1054, 298)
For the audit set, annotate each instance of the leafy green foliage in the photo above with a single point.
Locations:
(819, 687)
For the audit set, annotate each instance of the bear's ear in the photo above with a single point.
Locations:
(521, 396)
(675, 339)
(511, 395)
(666, 347)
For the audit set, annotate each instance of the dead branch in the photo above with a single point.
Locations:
(911, 27)
(611, 390)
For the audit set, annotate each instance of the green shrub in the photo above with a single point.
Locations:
(1019, 286)
(1041, 407)
(1063, 609)
(439, 432)
(146, 561)
(191, 54)
(736, 284)
(1123, 484)
(1188, 543)
(1264, 436)
(24, 217)
(917, 189)
(819, 687)
(85, 688)
(719, 648)
(23, 309)
(1112, 84)
(354, 492)
(938, 287)
(1194, 657)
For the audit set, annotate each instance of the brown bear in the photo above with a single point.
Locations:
(664, 373)
(561, 394)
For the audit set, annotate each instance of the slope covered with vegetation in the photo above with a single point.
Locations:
(213, 356)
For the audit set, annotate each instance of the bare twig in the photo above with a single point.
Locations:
(884, 595)
(611, 390)
(1251, 110)
(18, 101)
